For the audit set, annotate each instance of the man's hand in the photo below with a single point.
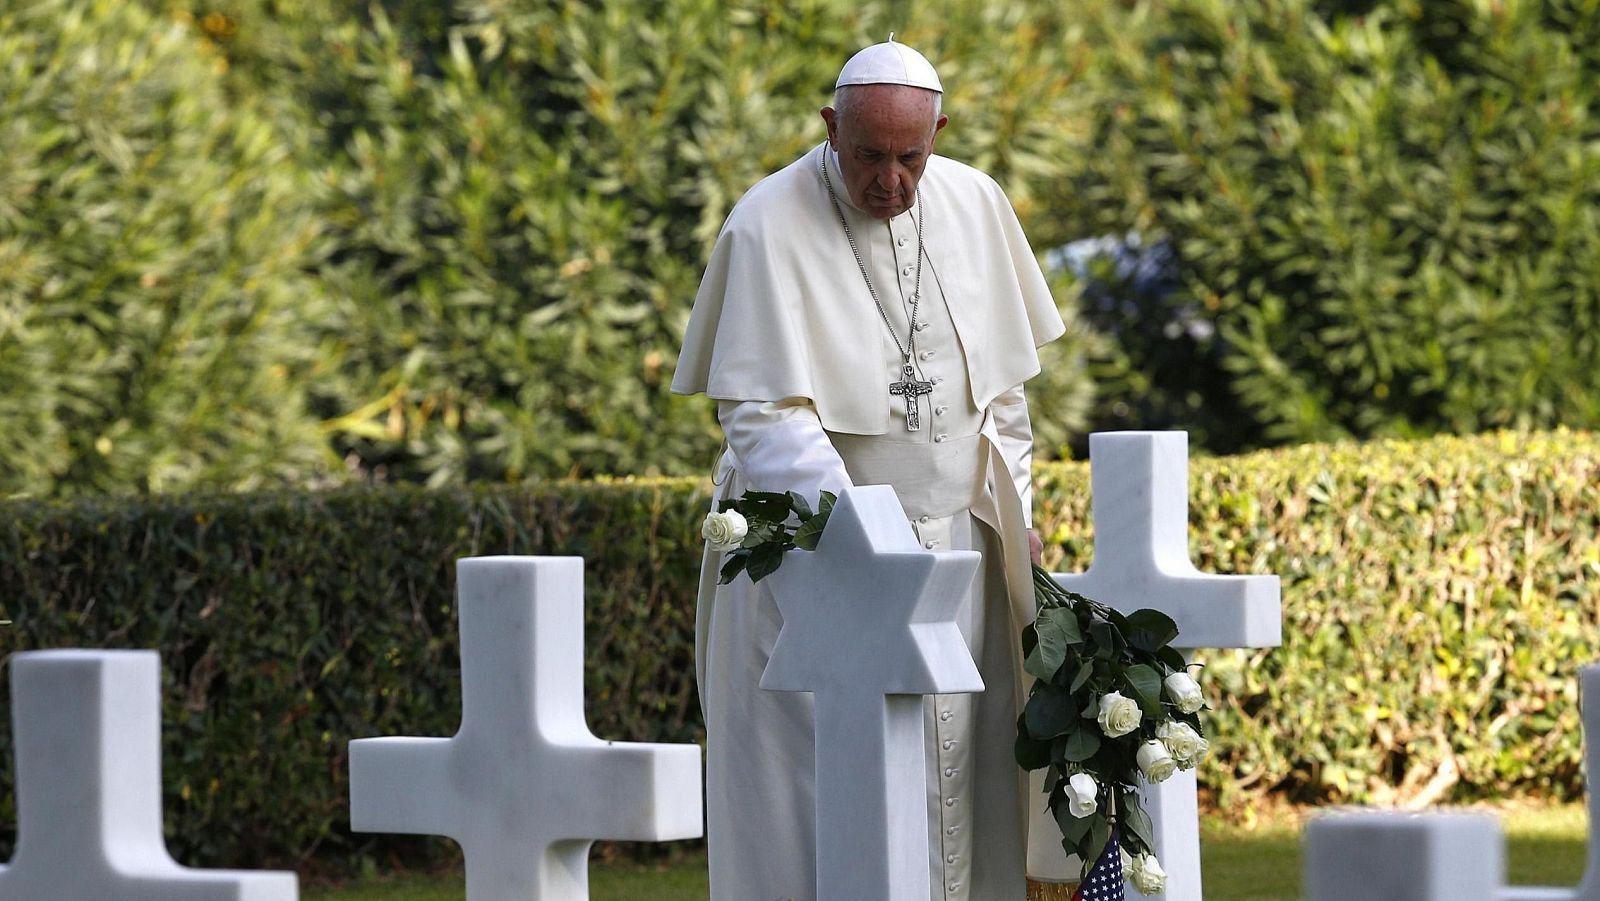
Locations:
(1035, 547)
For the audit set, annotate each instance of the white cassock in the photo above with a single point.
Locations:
(785, 336)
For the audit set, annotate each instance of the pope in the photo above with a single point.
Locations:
(868, 317)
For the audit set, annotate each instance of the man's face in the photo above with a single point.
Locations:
(884, 135)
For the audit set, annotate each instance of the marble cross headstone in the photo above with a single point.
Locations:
(1397, 856)
(1441, 857)
(869, 626)
(87, 727)
(1140, 485)
(1589, 888)
(524, 787)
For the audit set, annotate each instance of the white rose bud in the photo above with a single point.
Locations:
(724, 531)
(1118, 715)
(1154, 761)
(1186, 746)
(1081, 793)
(1127, 862)
(1147, 875)
(1185, 692)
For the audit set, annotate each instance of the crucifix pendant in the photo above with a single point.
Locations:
(911, 389)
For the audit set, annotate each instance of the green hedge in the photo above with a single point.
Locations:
(1438, 599)
(290, 624)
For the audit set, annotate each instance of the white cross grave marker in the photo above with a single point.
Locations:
(1589, 888)
(1395, 856)
(1441, 857)
(869, 627)
(1140, 486)
(524, 787)
(87, 727)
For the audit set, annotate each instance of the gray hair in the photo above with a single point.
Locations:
(844, 98)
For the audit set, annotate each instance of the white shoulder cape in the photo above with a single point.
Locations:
(783, 311)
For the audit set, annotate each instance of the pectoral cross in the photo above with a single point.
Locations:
(911, 389)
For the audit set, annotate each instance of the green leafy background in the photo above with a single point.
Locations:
(324, 253)
(283, 243)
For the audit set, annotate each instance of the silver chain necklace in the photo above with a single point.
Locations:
(907, 386)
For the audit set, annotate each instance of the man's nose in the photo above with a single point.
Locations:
(889, 178)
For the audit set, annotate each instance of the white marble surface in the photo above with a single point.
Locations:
(1589, 888)
(1140, 482)
(1396, 856)
(869, 627)
(524, 787)
(87, 726)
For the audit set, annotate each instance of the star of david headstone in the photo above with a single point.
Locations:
(869, 626)
(87, 727)
(524, 787)
(1140, 485)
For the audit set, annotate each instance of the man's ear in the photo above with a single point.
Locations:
(939, 125)
(832, 118)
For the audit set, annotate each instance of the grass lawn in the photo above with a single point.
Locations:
(1260, 862)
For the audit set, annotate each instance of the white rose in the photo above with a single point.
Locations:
(1127, 862)
(1118, 715)
(1187, 746)
(1154, 761)
(1147, 875)
(1081, 793)
(1185, 692)
(724, 531)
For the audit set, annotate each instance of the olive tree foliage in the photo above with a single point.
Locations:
(154, 238)
(520, 199)
(1384, 215)
(258, 241)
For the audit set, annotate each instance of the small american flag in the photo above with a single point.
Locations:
(1104, 882)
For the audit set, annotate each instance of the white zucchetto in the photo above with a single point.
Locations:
(890, 63)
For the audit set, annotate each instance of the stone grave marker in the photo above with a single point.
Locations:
(87, 728)
(1140, 485)
(1397, 856)
(869, 627)
(524, 787)
(1434, 857)
(1588, 889)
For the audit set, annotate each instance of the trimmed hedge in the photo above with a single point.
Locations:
(289, 624)
(1438, 599)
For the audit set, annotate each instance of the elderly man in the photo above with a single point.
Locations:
(868, 316)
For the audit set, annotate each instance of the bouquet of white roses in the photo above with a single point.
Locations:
(1114, 703)
(758, 527)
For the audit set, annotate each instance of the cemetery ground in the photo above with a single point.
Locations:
(1254, 861)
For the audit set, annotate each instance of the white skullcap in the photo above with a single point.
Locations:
(890, 63)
